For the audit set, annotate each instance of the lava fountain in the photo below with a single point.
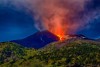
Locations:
(56, 27)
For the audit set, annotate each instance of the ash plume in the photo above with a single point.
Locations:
(57, 16)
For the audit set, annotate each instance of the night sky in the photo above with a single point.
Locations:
(15, 24)
(18, 23)
(93, 29)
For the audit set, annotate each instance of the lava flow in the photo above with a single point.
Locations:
(60, 37)
(59, 32)
(58, 28)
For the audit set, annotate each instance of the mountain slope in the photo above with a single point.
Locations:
(38, 40)
(76, 53)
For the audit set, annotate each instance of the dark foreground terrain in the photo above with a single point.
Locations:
(71, 53)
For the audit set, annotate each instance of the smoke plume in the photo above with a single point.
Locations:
(58, 16)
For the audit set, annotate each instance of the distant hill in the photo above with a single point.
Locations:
(73, 53)
(98, 40)
(38, 40)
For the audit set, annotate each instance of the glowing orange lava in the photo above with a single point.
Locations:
(58, 28)
(59, 32)
(56, 24)
(60, 37)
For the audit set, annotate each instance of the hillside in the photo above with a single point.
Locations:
(72, 53)
(37, 40)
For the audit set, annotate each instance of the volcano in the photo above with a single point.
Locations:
(38, 40)
(41, 39)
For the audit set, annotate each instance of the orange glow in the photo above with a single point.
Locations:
(58, 16)
(59, 31)
(54, 18)
(60, 37)
(57, 27)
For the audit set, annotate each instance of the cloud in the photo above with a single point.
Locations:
(67, 16)
(57, 15)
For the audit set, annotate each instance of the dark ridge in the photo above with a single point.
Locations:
(38, 40)
(78, 36)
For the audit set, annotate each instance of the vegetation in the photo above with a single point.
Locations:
(78, 53)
